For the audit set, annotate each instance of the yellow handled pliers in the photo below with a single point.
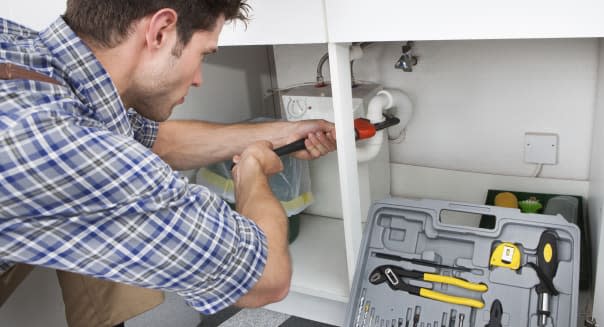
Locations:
(393, 276)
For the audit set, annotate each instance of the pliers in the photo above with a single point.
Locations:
(393, 275)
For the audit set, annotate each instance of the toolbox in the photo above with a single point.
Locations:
(414, 270)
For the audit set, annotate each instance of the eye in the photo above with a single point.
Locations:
(206, 55)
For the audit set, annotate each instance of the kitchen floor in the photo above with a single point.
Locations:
(174, 312)
(235, 317)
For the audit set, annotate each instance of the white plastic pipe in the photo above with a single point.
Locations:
(356, 52)
(368, 149)
(382, 101)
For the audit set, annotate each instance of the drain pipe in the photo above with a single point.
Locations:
(382, 101)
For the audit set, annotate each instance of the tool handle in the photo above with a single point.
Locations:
(455, 282)
(286, 149)
(547, 259)
(420, 262)
(289, 148)
(430, 294)
(299, 145)
(363, 130)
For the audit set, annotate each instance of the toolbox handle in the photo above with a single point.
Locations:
(458, 217)
(469, 208)
(496, 212)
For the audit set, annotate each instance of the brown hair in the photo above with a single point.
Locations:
(108, 22)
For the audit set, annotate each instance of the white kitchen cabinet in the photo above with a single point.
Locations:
(393, 20)
(415, 181)
(279, 22)
(451, 74)
(272, 21)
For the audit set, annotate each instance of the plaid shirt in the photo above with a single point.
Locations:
(81, 191)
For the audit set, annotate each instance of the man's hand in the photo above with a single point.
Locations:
(260, 156)
(320, 138)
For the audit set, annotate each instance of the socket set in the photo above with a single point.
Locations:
(416, 271)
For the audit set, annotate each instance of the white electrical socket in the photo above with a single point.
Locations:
(541, 148)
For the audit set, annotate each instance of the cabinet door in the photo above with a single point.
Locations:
(31, 13)
(396, 20)
(279, 22)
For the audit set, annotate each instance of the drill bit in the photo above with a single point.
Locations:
(360, 309)
(366, 313)
(452, 318)
(418, 311)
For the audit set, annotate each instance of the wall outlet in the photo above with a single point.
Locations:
(541, 148)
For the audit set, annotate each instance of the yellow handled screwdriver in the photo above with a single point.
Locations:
(547, 266)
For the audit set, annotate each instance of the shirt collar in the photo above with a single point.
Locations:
(86, 76)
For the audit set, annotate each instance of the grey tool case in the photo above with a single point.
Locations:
(412, 229)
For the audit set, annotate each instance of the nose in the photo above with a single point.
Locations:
(197, 79)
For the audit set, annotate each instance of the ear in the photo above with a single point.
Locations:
(161, 28)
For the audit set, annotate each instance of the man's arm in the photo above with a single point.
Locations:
(128, 217)
(192, 144)
(256, 201)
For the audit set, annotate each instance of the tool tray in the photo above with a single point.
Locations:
(413, 229)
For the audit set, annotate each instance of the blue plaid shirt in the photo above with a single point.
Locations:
(81, 191)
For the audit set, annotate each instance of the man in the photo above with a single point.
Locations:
(88, 187)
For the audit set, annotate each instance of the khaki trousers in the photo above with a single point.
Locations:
(89, 301)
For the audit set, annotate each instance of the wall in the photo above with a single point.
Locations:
(22, 11)
(474, 100)
(234, 83)
(234, 88)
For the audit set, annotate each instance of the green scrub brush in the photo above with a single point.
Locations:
(530, 205)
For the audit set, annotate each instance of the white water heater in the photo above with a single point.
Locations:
(310, 102)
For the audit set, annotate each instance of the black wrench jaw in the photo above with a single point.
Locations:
(377, 276)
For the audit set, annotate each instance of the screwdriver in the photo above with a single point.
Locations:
(547, 263)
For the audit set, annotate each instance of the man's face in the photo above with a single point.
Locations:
(163, 82)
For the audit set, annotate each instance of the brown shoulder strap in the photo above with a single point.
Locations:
(10, 71)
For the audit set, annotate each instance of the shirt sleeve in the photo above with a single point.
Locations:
(145, 130)
(82, 199)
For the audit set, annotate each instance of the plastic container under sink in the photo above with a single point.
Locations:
(567, 206)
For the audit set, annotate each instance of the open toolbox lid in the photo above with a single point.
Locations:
(387, 293)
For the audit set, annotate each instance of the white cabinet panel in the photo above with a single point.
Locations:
(33, 14)
(272, 21)
(279, 22)
(395, 20)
